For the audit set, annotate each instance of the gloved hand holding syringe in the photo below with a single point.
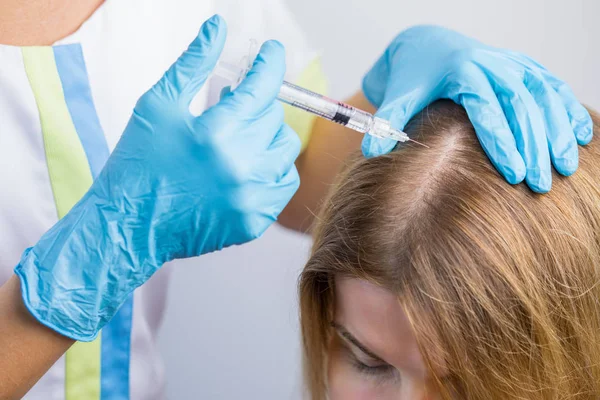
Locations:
(314, 103)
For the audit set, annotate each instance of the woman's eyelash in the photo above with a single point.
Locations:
(381, 371)
(371, 370)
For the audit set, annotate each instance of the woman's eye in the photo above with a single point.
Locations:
(371, 369)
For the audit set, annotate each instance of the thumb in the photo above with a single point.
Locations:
(398, 111)
(187, 75)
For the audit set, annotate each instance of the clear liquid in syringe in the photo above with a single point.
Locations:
(343, 114)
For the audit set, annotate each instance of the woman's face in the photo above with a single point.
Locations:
(374, 353)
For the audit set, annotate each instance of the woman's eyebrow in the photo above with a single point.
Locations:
(343, 332)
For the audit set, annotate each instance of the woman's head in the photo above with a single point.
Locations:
(431, 277)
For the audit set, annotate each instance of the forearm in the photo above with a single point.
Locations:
(329, 147)
(27, 348)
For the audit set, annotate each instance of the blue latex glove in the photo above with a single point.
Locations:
(175, 186)
(523, 115)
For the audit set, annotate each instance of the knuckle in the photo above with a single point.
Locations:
(292, 179)
(241, 96)
(150, 101)
(295, 145)
(278, 112)
(232, 102)
(422, 30)
(533, 78)
(463, 59)
(295, 183)
(257, 230)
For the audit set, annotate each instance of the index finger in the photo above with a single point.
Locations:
(261, 85)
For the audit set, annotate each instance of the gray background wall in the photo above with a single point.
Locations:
(231, 330)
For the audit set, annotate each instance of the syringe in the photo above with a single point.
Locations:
(321, 106)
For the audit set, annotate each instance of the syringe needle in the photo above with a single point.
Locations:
(419, 143)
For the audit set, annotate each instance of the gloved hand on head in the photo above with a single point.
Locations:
(525, 117)
(175, 186)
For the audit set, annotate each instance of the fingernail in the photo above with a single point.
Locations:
(538, 181)
(215, 19)
(585, 132)
(514, 176)
(511, 166)
(211, 26)
(274, 44)
(566, 166)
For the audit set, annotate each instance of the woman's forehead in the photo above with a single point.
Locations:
(375, 317)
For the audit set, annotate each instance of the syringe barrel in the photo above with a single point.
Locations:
(314, 103)
(325, 107)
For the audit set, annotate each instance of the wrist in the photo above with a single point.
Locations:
(64, 277)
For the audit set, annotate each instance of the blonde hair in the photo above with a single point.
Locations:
(500, 284)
